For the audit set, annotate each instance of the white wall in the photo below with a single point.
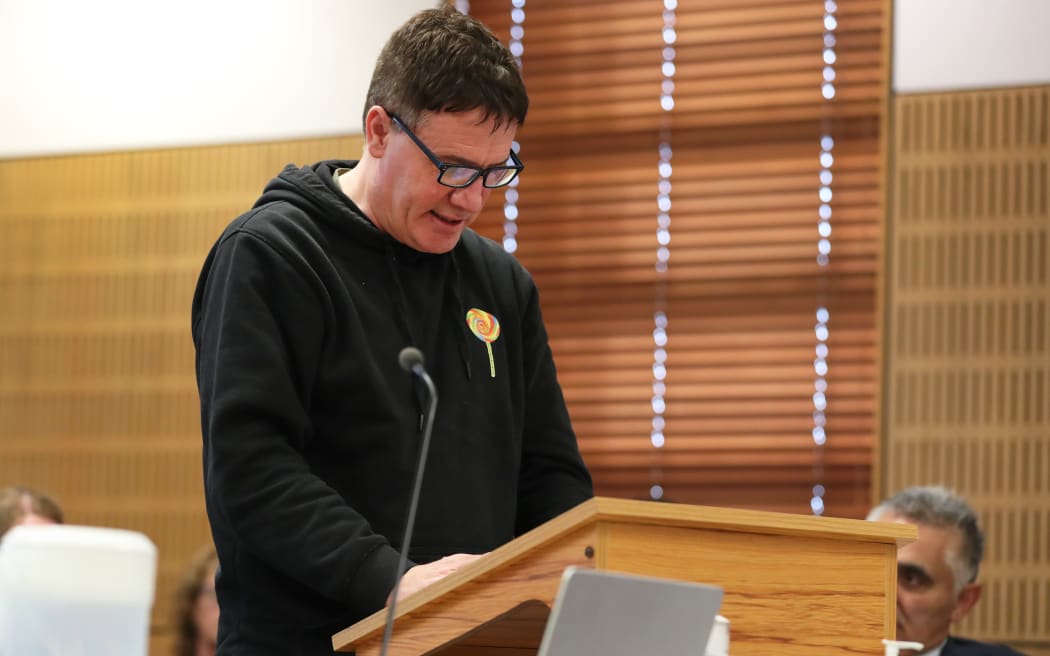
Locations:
(93, 75)
(942, 45)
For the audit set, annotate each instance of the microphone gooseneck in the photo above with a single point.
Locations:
(411, 360)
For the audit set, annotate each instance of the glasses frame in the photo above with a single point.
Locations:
(478, 172)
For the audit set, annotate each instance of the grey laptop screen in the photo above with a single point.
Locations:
(600, 613)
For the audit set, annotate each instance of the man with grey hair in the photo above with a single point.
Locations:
(937, 574)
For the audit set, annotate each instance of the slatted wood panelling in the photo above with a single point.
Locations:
(968, 333)
(98, 261)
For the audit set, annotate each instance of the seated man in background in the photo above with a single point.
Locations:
(937, 574)
(22, 505)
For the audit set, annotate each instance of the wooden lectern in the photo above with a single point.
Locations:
(794, 584)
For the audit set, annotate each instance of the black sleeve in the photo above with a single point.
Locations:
(258, 326)
(553, 477)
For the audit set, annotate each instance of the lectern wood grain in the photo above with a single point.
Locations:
(793, 584)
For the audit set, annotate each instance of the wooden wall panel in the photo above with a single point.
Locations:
(967, 402)
(99, 256)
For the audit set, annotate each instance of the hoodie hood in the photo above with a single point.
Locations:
(313, 190)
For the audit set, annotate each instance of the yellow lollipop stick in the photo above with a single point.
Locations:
(486, 328)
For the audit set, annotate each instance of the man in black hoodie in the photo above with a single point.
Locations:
(311, 430)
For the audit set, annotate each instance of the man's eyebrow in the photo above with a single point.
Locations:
(462, 161)
(911, 569)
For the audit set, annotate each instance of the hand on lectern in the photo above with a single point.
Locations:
(420, 576)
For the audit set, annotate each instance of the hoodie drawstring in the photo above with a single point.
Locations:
(461, 307)
(401, 313)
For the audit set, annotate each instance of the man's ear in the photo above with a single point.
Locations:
(377, 131)
(967, 599)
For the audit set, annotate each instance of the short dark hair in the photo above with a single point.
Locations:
(444, 61)
(936, 506)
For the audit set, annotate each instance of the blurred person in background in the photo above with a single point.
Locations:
(23, 505)
(196, 610)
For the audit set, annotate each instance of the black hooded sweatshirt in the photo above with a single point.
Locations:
(312, 430)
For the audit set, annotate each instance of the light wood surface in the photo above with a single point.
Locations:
(968, 349)
(793, 584)
(99, 256)
(525, 572)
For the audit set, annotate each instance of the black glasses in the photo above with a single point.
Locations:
(461, 175)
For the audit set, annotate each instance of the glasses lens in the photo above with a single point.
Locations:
(458, 176)
(500, 177)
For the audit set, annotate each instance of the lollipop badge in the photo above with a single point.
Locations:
(486, 328)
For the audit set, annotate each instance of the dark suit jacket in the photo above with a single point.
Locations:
(963, 647)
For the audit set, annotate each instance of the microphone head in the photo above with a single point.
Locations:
(409, 358)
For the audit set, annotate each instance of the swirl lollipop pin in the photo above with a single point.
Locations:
(486, 328)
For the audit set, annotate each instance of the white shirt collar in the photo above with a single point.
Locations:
(936, 651)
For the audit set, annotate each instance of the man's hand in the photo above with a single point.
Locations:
(420, 576)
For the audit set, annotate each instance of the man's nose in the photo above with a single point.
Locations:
(472, 197)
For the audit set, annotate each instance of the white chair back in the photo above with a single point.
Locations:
(75, 591)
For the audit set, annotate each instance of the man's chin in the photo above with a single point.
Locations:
(903, 635)
(436, 246)
(439, 243)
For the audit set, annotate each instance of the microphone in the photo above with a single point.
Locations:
(411, 360)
